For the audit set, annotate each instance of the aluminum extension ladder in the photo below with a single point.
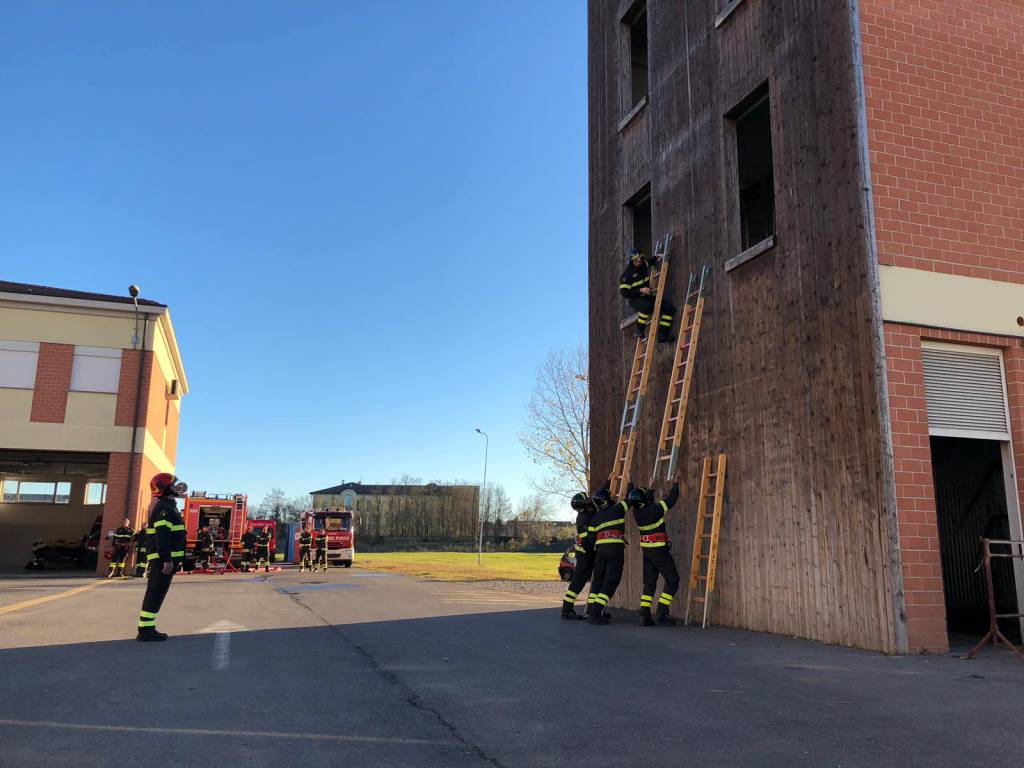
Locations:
(667, 454)
(638, 375)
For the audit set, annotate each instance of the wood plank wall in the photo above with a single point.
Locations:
(788, 378)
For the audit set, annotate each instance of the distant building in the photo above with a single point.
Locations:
(82, 425)
(431, 511)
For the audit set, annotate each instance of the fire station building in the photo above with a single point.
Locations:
(90, 402)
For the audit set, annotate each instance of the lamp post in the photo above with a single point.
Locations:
(483, 490)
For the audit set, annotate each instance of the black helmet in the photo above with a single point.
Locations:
(634, 253)
(639, 495)
(580, 501)
(602, 498)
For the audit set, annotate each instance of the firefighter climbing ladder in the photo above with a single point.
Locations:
(667, 457)
(636, 388)
(704, 563)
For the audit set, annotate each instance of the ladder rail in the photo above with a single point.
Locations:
(697, 537)
(716, 527)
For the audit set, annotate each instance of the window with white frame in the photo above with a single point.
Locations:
(16, 491)
(95, 492)
(96, 369)
(18, 361)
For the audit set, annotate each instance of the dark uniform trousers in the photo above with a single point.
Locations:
(321, 558)
(644, 306)
(304, 558)
(156, 590)
(658, 561)
(608, 562)
(580, 576)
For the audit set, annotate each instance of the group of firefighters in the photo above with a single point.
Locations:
(160, 549)
(601, 520)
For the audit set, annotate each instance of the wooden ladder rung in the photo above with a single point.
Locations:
(697, 599)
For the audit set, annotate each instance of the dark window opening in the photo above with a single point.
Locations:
(970, 503)
(636, 31)
(641, 232)
(754, 160)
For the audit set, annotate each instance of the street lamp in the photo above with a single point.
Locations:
(483, 490)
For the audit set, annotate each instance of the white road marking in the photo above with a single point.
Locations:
(245, 734)
(221, 659)
(223, 626)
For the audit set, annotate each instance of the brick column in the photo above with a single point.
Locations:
(53, 380)
(118, 470)
(915, 492)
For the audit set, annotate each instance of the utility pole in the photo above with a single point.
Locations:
(483, 490)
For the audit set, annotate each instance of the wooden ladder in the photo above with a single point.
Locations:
(667, 456)
(704, 564)
(638, 375)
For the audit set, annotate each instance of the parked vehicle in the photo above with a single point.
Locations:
(66, 553)
(567, 565)
(341, 534)
(226, 517)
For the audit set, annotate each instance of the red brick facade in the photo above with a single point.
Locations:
(128, 386)
(944, 85)
(945, 105)
(53, 379)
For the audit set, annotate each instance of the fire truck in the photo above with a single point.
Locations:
(226, 517)
(341, 534)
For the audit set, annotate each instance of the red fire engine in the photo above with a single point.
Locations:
(226, 517)
(341, 534)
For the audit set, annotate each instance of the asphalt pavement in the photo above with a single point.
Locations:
(360, 668)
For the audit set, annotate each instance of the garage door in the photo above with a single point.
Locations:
(965, 390)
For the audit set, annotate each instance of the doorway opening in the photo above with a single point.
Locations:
(971, 504)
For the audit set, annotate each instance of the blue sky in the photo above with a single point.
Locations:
(368, 219)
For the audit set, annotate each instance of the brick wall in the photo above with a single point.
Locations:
(915, 495)
(124, 415)
(945, 105)
(53, 379)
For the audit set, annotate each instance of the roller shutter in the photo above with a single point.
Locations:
(965, 392)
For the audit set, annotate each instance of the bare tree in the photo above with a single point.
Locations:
(556, 434)
(278, 507)
(534, 508)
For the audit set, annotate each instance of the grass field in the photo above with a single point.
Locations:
(461, 566)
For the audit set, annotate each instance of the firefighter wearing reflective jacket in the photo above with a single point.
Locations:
(608, 527)
(263, 549)
(121, 542)
(167, 549)
(248, 545)
(635, 286)
(657, 551)
(305, 540)
(320, 545)
(584, 550)
(141, 541)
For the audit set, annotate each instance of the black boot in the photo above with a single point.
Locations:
(645, 617)
(664, 620)
(665, 336)
(569, 612)
(150, 635)
(641, 329)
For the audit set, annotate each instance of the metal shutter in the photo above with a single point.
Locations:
(965, 392)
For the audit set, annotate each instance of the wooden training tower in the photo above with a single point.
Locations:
(704, 563)
(667, 457)
(638, 375)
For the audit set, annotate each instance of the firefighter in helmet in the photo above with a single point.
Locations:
(263, 548)
(608, 527)
(657, 551)
(248, 545)
(635, 287)
(141, 541)
(167, 531)
(305, 540)
(204, 548)
(320, 545)
(585, 508)
(121, 539)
